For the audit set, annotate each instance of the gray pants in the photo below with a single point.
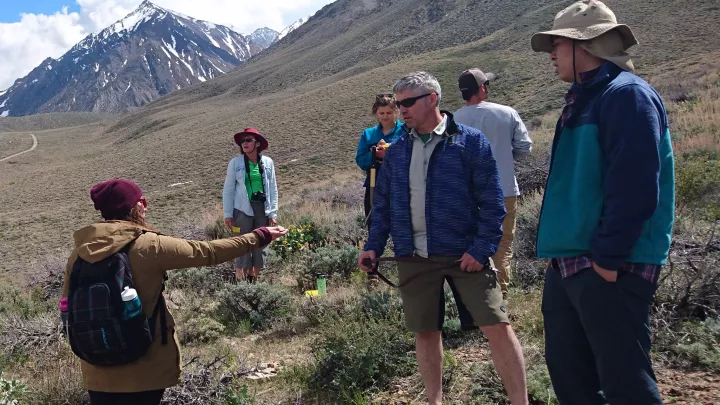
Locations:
(257, 257)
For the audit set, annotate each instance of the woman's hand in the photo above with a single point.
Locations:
(277, 232)
(228, 223)
(272, 221)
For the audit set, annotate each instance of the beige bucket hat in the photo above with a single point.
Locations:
(583, 21)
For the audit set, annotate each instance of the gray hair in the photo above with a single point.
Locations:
(419, 81)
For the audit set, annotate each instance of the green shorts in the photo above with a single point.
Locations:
(477, 295)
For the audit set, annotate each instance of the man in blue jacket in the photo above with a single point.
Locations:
(607, 214)
(439, 196)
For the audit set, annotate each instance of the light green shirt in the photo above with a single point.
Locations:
(253, 182)
(423, 147)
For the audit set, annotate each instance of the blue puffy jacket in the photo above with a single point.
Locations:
(464, 206)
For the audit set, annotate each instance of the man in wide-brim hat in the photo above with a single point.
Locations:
(607, 215)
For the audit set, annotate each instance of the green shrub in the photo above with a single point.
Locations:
(697, 187)
(320, 310)
(12, 392)
(217, 230)
(384, 305)
(539, 386)
(200, 329)
(334, 263)
(360, 357)
(26, 304)
(259, 304)
(698, 344)
(239, 396)
(204, 280)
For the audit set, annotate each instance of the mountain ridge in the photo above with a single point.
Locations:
(149, 53)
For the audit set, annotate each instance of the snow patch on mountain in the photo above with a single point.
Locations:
(292, 27)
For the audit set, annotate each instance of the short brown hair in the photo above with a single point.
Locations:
(383, 100)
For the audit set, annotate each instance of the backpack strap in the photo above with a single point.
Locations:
(160, 310)
(160, 304)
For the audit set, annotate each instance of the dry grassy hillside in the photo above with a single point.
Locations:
(50, 121)
(310, 94)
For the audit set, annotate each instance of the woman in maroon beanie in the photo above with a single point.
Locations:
(150, 255)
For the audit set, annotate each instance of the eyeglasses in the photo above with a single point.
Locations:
(410, 101)
(248, 140)
(383, 95)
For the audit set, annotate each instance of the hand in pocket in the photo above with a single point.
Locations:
(608, 275)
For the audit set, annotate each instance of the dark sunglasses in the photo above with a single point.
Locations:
(410, 101)
(248, 140)
(383, 95)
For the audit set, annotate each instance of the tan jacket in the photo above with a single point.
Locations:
(150, 257)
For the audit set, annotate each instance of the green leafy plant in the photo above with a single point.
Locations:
(240, 396)
(332, 262)
(297, 240)
(372, 353)
(259, 304)
(12, 392)
(697, 182)
(200, 329)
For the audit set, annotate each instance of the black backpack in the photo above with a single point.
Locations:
(97, 330)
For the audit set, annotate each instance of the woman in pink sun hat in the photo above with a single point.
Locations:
(250, 197)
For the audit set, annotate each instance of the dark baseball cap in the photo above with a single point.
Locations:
(471, 80)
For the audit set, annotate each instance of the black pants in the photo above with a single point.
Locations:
(597, 339)
(132, 398)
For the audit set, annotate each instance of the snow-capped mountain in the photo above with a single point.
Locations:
(263, 38)
(292, 27)
(149, 53)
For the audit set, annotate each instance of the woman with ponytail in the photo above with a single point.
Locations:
(250, 197)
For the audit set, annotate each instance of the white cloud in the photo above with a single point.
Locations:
(24, 44)
(37, 36)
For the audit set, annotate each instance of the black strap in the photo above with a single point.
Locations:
(261, 169)
(160, 307)
(373, 264)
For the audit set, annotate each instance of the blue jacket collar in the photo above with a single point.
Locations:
(605, 74)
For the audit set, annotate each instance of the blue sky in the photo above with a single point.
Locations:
(11, 9)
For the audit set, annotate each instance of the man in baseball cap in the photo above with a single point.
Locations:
(508, 139)
(607, 215)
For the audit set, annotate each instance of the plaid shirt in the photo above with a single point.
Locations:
(567, 266)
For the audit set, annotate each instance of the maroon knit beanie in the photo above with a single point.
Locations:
(115, 198)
